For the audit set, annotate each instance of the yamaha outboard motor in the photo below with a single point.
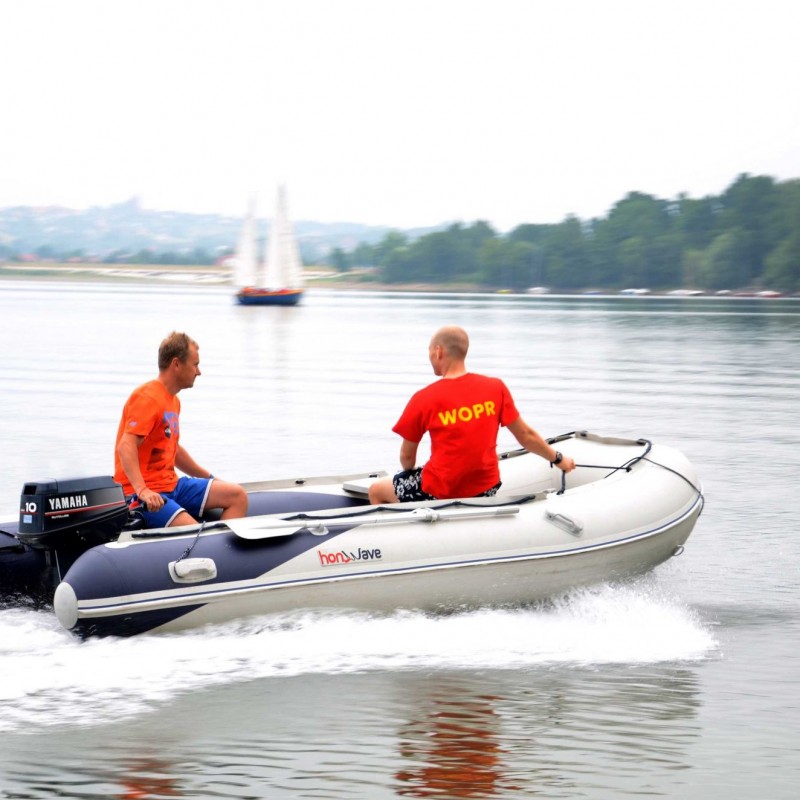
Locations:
(58, 521)
(57, 513)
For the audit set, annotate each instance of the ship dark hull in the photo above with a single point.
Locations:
(267, 297)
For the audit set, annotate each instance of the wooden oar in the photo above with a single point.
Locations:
(265, 528)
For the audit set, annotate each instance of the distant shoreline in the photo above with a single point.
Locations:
(80, 270)
(319, 277)
(205, 275)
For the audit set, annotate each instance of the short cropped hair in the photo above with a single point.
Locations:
(176, 345)
(454, 340)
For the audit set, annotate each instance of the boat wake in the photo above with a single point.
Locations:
(51, 678)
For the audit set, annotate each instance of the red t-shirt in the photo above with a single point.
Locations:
(462, 416)
(152, 412)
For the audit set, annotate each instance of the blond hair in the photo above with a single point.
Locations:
(176, 345)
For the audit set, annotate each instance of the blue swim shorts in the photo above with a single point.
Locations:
(189, 494)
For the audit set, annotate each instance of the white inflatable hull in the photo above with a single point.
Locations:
(627, 508)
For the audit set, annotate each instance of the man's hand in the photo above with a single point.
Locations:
(152, 500)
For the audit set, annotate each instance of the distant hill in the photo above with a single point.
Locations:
(126, 227)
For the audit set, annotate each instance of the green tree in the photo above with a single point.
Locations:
(783, 265)
(633, 254)
(750, 206)
(525, 262)
(441, 256)
(492, 262)
(566, 255)
(724, 265)
(507, 264)
(787, 217)
(475, 235)
(635, 243)
(397, 266)
(393, 240)
(533, 234)
(691, 267)
(363, 256)
(339, 260)
(723, 242)
(697, 221)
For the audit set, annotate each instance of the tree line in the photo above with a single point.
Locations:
(749, 236)
(196, 257)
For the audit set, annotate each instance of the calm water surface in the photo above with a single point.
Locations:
(682, 684)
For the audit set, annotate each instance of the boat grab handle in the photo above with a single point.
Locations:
(564, 522)
(192, 570)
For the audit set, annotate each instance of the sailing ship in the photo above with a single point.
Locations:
(277, 280)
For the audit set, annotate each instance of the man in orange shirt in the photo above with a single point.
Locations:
(463, 413)
(148, 447)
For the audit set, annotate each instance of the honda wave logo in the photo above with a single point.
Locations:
(348, 556)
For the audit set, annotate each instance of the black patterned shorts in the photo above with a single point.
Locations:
(408, 487)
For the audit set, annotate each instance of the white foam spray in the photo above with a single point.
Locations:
(50, 678)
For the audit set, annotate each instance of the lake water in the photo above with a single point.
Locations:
(683, 684)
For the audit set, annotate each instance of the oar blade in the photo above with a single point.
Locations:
(254, 528)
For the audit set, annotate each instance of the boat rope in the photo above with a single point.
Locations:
(194, 541)
(683, 477)
(627, 465)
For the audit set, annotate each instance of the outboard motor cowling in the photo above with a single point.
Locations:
(58, 513)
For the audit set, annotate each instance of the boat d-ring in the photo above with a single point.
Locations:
(678, 551)
(317, 529)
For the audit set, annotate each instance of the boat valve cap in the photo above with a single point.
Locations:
(65, 604)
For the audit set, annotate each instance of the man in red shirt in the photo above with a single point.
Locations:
(148, 447)
(462, 412)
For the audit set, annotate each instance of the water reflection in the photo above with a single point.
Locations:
(146, 778)
(552, 732)
(452, 747)
(552, 736)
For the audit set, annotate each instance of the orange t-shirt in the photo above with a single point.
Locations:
(151, 412)
(462, 416)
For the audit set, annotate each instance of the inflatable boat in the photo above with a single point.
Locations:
(317, 543)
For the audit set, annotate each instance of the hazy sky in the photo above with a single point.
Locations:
(395, 112)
